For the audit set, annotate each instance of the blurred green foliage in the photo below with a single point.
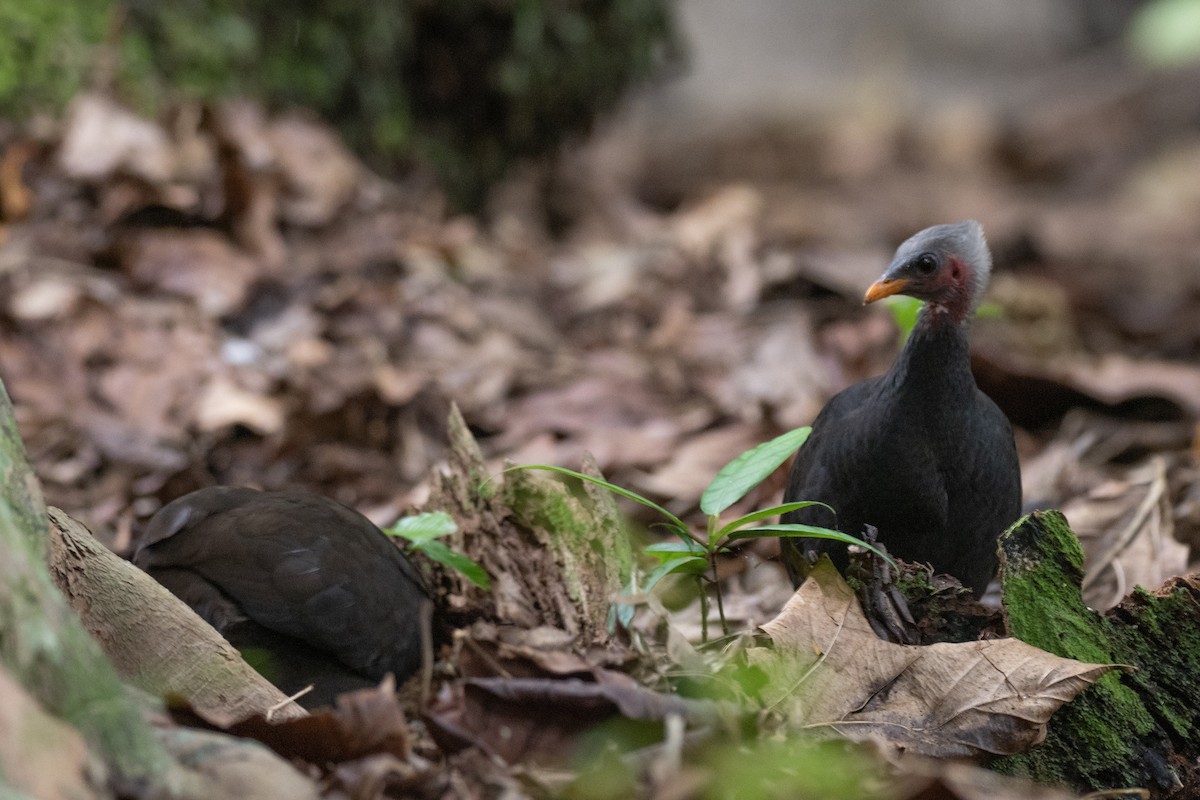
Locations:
(47, 51)
(467, 85)
(1167, 32)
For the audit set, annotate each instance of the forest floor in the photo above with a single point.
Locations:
(231, 298)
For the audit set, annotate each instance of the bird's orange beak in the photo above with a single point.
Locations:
(885, 287)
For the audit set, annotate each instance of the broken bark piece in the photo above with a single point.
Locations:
(1136, 728)
(556, 559)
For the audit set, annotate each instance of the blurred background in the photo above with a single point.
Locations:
(252, 244)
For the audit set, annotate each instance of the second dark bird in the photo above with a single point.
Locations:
(920, 453)
(318, 592)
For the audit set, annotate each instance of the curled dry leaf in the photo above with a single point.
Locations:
(828, 670)
(362, 723)
(1127, 527)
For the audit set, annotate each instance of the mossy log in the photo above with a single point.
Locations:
(44, 646)
(1138, 728)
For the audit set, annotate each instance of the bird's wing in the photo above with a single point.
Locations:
(824, 468)
(996, 472)
(307, 568)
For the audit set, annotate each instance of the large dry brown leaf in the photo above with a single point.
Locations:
(828, 670)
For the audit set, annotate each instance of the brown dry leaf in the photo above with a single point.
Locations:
(1111, 379)
(697, 459)
(40, 755)
(103, 138)
(538, 719)
(1127, 529)
(700, 227)
(45, 298)
(755, 384)
(828, 670)
(223, 403)
(382, 776)
(926, 779)
(364, 722)
(320, 175)
(16, 199)
(489, 650)
(197, 263)
(611, 409)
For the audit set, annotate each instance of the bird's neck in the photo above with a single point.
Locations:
(936, 360)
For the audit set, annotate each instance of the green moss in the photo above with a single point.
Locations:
(1100, 739)
(586, 535)
(1161, 635)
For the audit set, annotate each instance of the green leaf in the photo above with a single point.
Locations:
(665, 551)
(688, 565)
(423, 527)
(749, 469)
(770, 512)
(612, 487)
(442, 554)
(787, 530)
(990, 310)
(904, 313)
(906, 309)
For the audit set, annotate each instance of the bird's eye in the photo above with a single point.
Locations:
(926, 263)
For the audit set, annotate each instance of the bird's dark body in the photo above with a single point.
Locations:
(274, 566)
(921, 454)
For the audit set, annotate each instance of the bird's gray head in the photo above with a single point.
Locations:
(947, 266)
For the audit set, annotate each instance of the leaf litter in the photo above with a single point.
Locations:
(279, 318)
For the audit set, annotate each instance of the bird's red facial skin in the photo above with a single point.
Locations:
(956, 272)
(953, 293)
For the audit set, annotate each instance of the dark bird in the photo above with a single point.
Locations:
(306, 587)
(919, 453)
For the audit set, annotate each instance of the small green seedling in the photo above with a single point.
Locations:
(422, 532)
(695, 553)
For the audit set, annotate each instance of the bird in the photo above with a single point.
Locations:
(919, 453)
(311, 591)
